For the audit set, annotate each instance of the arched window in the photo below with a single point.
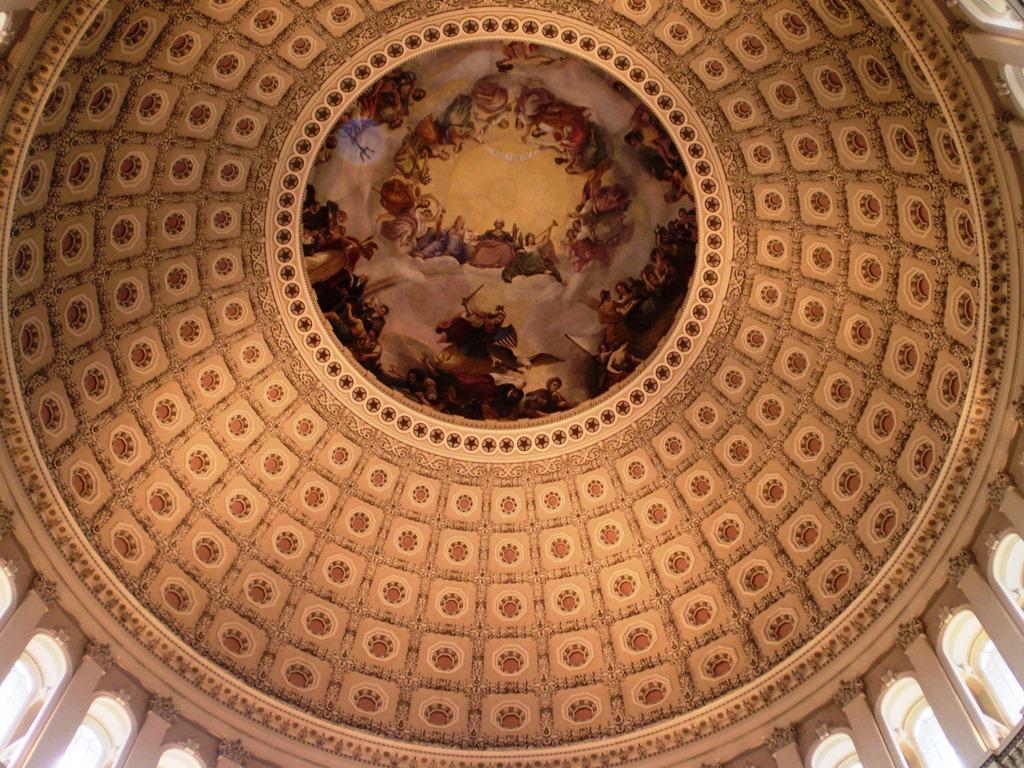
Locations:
(1000, 680)
(176, 757)
(18, 689)
(1008, 572)
(101, 738)
(27, 691)
(993, 15)
(913, 727)
(983, 672)
(88, 749)
(835, 751)
(929, 738)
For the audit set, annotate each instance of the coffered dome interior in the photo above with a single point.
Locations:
(525, 377)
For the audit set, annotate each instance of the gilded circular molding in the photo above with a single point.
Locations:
(595, 420)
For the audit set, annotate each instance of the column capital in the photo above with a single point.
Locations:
(100, 653)
(959, 564)
(232, 749)
(779, 737)
(909, 632)
(46, 589)
(997, 489)
(958, 27)
(164, 708)
(848, 691)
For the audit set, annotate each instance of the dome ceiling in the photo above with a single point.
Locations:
(254, 281)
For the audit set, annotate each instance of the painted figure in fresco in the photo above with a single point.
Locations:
(539, 402)
(646, 131)
(445, 242)
(598, 223)
(495, 248)
(412, 212)
(498, 233)
(477, 395)
(364, 343)
(525, 53)
(617, 363)
(475, 333)
(330, 256)
(474, 397)
(422, 387)
(480, 352)
(456, 125)
(327, 247)
(505, 404)
(337, 251)
(389, 99)
(636, 311)
(604, 198)
(585, 152)
(582, 247)
(682, 227)
(398, 197)
(613, 322)
(547, 121)
(315, 217)
(578, 139)
(356, 320)
(657, 152)
(420, 145)
(467, 116)
(532, 98)
(490, 103)
(625, 297)
(534, 255)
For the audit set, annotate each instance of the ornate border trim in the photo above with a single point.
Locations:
(553, 436)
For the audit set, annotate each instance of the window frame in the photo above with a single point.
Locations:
(1009, 22)
(1009, 548)
(37, 687)
(902, 699)
(114, 723)
(825, 746)
(50, 658)
(179, 756)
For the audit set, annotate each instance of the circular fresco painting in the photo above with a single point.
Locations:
(499, 231)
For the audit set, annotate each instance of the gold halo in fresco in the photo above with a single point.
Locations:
(499, 231)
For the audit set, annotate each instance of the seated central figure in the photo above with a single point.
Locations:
(494, 248)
